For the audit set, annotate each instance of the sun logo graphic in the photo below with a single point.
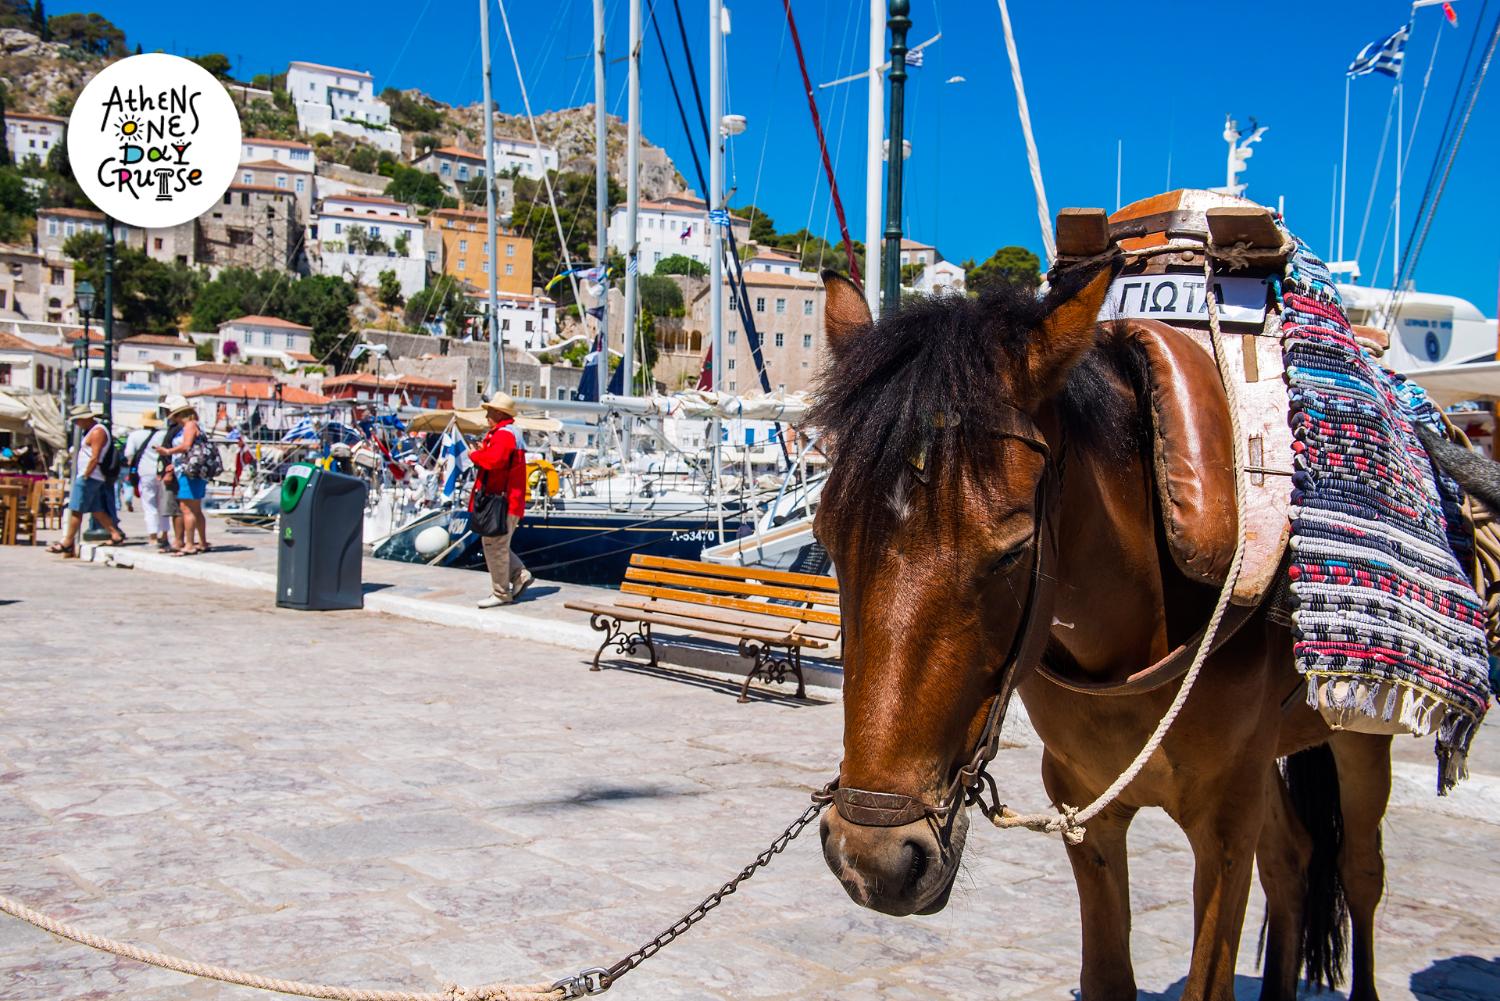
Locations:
(154, 140)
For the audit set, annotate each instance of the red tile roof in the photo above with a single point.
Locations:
(454, 151)
(276, 165)
(283, 143)
(258, 390)
(73, 213)
(368, 380)
(36, 118)
(230, 370)
(158, 339)
(371, 199)
(255, 320)
(332, 69)
(10, 342)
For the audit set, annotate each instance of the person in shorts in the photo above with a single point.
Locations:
(90, 488)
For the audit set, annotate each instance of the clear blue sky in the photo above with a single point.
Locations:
(1159, 75)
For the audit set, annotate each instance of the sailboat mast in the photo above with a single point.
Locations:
(633, 205)
(601, 199)
(875, 137)
(497, 372)
(716, 188)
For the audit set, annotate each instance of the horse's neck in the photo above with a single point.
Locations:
(1109, 611)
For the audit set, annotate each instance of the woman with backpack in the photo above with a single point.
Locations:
(196, 461)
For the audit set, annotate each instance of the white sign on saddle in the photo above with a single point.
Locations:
(1179, 299)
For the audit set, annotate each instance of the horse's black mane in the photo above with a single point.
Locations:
(936, 358)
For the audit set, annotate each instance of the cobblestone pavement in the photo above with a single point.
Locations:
(354, 798)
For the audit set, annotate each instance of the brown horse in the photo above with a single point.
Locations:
(994, 503)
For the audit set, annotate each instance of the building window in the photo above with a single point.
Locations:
(807, 307)
(432, 257)
(781, 340)
(485, 266)
(530, 326)
(730, 365)
(732, 335)
(247, 178)
(281, 180)
(526, 391)
(301, 185)
(463, 246)
(57, 276)
(760, 304)
(510, 250)
(807, 340)
(780, 307)
(51, 227)
(156, 242)
(289, 340)
(515, 390)
(4, 373)
(510, 269)
(731, 385)
(338, 228)
(562, 394)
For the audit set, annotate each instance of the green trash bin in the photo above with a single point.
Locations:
(320, 540)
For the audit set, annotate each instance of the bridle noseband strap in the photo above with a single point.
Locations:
(868, 808)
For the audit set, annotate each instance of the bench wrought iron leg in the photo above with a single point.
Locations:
(771, 666)
(624, 641)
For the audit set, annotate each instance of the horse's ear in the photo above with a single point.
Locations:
(845, 314)
(1070, 329)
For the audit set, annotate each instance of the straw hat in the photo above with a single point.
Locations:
(502, 403)
(180, 407)
(83, 411)
(150, 421)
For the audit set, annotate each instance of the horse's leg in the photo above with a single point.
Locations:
(1281, 858)
(1364, 767)
(1102, 875)
(1223, 835)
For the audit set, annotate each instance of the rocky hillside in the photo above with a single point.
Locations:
(571, 130)
(43, 77)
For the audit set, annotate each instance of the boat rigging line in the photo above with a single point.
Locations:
(833, 184)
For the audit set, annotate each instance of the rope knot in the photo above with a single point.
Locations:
(1067, 824)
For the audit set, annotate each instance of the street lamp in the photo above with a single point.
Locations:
(84, 297)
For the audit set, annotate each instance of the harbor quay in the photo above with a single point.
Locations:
(375, 800)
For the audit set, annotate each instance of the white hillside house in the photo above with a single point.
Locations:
(677, 224)
(524, 156)
(941, 278)
(32, 137)
(359, 236)
(330, 99)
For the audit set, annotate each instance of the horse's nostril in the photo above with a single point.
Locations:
(917, 861)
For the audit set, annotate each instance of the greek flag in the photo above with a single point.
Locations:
(453, 454)
(633, 265)
(1384, 56)
(303, 430)
(914, 58)
(719, 217)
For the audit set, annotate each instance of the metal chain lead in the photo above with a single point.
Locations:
(597, 980)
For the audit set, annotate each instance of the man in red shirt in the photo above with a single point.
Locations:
(501, 463)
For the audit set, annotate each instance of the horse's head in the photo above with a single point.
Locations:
(944, 451)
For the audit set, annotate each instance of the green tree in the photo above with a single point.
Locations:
(149, 296)
(356, 238)
(91, 33)
(1010, 264)
(375, 245)
(911, 272)
(18, 205)
(364, 159)
(762, 226)
(39, 21)
(323, 303)
(63, 190)
(389, 292)
(412, 112)
(660, 296)
(216, 63)
(236, 292)
(442, 301)
(5, 157)
(408, 184)
(681, 264)
(266, 119)
(402, 243)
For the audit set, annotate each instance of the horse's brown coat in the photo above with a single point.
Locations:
(929, 609)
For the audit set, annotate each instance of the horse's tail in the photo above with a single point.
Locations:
(1312, 779)
(1479, 477)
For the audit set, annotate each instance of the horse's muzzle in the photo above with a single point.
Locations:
(899, 870)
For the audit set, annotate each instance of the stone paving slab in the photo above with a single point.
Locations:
(365, 799)
(246, 557)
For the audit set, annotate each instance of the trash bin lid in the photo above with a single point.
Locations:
(295, 484)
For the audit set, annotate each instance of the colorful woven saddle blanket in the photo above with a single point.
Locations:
(1388, 630)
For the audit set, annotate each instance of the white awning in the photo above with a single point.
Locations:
(1452, 384)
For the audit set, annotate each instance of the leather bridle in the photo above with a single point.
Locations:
(870, 808)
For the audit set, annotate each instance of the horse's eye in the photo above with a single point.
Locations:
(1007, 561)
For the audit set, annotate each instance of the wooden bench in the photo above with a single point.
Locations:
(765, 611)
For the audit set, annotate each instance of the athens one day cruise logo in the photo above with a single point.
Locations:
(154, 140)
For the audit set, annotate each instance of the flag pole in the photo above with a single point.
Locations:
(1400, 146)
(1344, 169)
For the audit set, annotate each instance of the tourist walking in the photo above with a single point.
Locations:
(144, 464)
(499, 500)
(90, 485)
(195, 461)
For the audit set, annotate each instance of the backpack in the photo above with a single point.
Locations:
(203, 461)
(109, 462)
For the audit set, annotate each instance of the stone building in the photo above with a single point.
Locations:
(253, 226)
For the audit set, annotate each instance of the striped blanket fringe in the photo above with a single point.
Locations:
(1386, 624)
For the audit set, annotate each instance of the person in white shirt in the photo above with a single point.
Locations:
(140, 454)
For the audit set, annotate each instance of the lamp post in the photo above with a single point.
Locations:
(84, 298)
(900, 23)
